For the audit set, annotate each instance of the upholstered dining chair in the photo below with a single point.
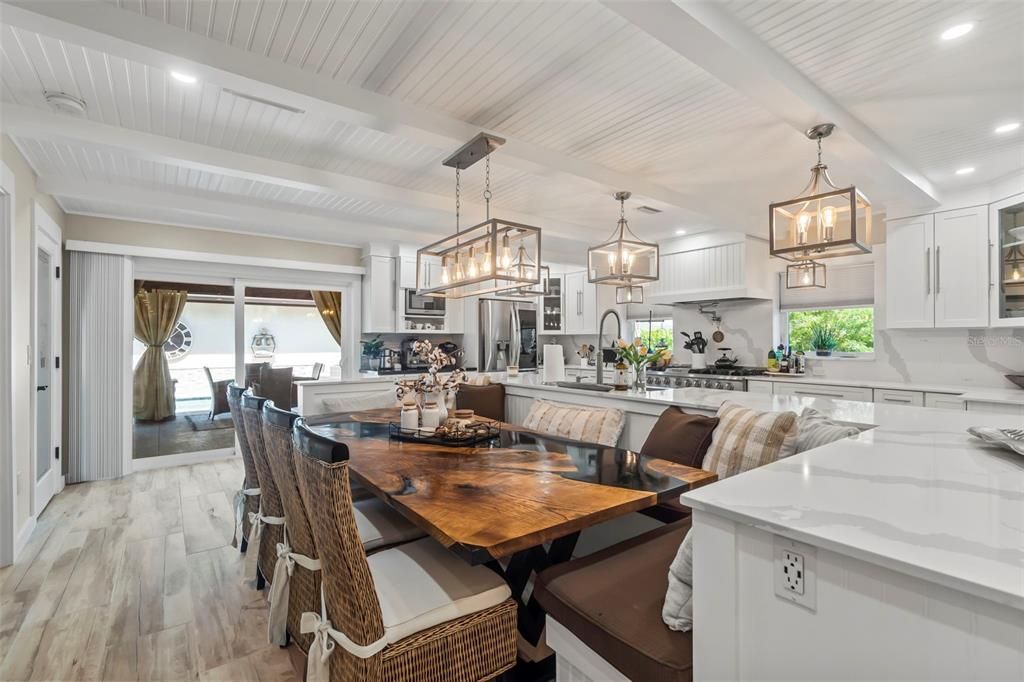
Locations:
(412, 612)
(247, 499)
(295, 587)
(276, 384)
(485, 401)
(218, 394)
(268, 521)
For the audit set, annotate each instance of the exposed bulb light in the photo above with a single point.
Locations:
(472, 269)
(185, 78)
(485, 266)
(807, 277)
(1016, 274)
(958, 31)
(505, 260)
(965, 171)
(803, 221)
(445, 274)
(1007, 127)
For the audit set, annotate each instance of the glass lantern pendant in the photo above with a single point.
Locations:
(805, 275)
(629, 294)
(491, 257)
(824, 221)
(623, 260)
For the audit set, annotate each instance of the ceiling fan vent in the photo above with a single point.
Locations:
(648, 209)
(65, 103)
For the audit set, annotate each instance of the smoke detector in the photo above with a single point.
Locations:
(65, 103)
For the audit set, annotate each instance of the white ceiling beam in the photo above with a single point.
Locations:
(241, 211)
(708, 36)
(24, 121)
(107, 29)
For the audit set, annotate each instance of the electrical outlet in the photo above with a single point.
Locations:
(793, 567)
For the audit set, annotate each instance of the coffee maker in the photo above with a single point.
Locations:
(410, 359)
(388, 359)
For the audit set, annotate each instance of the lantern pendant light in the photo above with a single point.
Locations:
(805, 274)
(623, 260)
(490, 257)
(824, 221)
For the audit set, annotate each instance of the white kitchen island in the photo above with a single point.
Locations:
(912, 534)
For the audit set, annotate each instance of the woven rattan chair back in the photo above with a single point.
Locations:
(321, 467)
(252, 480)
(270, 498)
(304, 588)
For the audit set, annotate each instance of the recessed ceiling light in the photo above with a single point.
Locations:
(965, 171)
(183, 77)
(680, 232)
(958, 31)
(1008, 127)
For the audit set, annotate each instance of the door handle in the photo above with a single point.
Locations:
(41, 388)
(938, 271)
(928, 270)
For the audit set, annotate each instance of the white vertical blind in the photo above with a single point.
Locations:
(847, 285)
(99, 366)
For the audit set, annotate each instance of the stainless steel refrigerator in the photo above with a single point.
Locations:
(508, 335)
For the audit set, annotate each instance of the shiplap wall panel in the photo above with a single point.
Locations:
(99, 366)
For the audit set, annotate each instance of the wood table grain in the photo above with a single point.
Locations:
(518, 492)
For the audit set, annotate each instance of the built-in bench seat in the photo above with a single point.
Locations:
(611, 601)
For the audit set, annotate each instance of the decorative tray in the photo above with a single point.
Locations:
(1010, 439)
(480, 433)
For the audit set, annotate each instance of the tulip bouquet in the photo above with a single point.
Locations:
(638, 356)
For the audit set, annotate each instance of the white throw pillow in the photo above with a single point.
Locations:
(815, 429)
(678, 609)
(601, 425)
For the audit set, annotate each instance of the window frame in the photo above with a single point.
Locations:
(836, 355)
(639, 323)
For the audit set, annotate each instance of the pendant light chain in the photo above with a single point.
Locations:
(458, 199)
(487, 186)
(819, 150)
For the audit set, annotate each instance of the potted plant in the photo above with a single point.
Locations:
(371, 351)
(638, 356)
(825, 339)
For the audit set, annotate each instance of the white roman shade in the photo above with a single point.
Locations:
(100, 385)
(846, 286)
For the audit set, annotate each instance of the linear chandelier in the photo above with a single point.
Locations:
(493, 256)
(623, 260)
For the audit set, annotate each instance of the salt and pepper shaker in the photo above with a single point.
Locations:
(410, 420)
(431, 416)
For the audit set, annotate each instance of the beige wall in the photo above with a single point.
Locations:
(110, 231)
(25, 196)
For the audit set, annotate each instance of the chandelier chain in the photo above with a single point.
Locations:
(487, 185)
(458, 198)
(819, 151)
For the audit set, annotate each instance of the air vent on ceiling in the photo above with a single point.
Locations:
(261, 100)
(648, 209)
(65, 103)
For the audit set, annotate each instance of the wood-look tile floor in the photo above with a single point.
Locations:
(136, 579)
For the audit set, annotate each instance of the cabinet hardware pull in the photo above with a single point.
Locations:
(938, 272)
(928, 270)
(823, 395)
(890, 399)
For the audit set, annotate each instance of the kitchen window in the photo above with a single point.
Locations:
(853, 330)
(654, 333)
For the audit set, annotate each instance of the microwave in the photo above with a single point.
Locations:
(415, 304)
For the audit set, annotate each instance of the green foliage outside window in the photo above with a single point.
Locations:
(658, 337)
(854, 327)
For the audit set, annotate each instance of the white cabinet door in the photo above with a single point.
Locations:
(407, 272)
(588, 323)
(944, 401)
(454, 314)
(380, 295)
(909, 276)
(824, 391)
(573, 298)
(759, 387)
(961, 268)
(995, 408)
(898, 397)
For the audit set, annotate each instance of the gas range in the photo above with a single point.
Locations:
(727, 379)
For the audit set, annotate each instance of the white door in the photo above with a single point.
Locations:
(961, 268)
(45, 359)
(909, 276)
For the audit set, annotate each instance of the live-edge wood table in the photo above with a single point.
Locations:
(516, 504)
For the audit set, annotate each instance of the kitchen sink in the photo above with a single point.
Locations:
(600, 388)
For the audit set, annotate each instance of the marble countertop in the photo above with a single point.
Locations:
(915, 494)
(1009, 394)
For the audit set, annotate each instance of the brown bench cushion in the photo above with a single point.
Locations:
(680, 437)
(485, 401)
(623, 626)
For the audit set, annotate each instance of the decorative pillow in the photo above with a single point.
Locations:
(678, 609)
(680, 437)
(599, 425)
(746, 439)
(814, 429)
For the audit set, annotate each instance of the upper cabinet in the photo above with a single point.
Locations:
(380, 295)
(937, 270)
(699, 271)
(579, 304)
(1006, 234)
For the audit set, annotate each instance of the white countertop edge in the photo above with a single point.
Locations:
(951, 581)
(983, 394)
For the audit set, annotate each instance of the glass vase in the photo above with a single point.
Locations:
(639, 378)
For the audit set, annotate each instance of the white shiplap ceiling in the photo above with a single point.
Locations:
(590, 96)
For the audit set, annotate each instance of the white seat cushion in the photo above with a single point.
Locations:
(601, 425)
(380, 526)
(421, 584)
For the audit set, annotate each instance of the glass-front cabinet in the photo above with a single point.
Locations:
(1006, 222)
(551, 306)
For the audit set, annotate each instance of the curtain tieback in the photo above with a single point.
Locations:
(239, 505)
(324, 638)
(277, 622)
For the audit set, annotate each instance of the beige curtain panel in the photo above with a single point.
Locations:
(156, 315)
(329, 305)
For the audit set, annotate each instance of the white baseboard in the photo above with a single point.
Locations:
(23, 536)
(164, 461)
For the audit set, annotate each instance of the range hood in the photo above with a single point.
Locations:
(725, 267)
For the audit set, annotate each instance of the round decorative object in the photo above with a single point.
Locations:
(179, 343)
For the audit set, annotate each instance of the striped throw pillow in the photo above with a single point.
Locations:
(814, 429)
(746, 439)
(588, 424)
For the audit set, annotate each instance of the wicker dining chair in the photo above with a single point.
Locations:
(378, 525)
(247, 500)
(413, 612)
(270, 512)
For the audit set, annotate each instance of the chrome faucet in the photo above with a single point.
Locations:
(600, 335)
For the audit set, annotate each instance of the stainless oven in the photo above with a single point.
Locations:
(423, 305)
